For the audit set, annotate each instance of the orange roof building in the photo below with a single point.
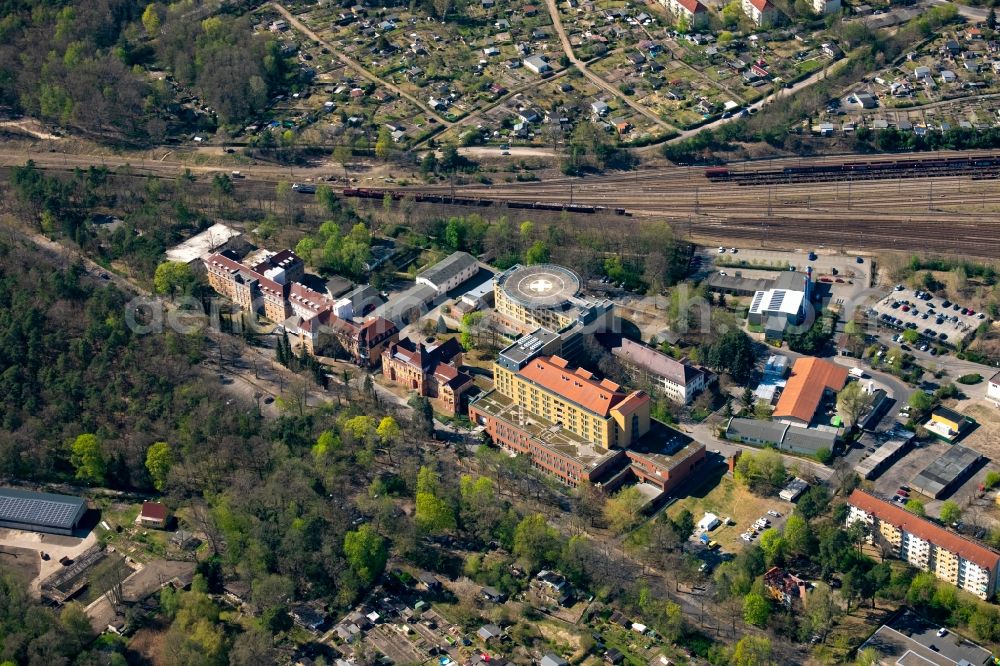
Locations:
(963, 562)
(811, 378)
(576, 426)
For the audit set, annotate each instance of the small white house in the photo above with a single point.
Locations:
(708, 523)
(537, 64)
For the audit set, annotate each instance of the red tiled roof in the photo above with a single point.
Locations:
(896, 515)
(154, 511)
(223, 261)
(303, 295)
(375, 327)
(762, 5)
(553, 373)
(692, 6)
(804, 389)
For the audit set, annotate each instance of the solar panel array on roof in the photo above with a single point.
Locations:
(40, 511)
(777, 297)
(757, 298)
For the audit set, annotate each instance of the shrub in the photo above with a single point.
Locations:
(973, 378)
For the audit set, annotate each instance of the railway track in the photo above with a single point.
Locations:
(946, 214)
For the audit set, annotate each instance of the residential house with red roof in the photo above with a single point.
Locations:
(153, 514)
(963, 562)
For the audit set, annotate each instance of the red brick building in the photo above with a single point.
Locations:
(431, 370)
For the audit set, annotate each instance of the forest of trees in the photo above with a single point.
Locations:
(92, 403)
(84, 64)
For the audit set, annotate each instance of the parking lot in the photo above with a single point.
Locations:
(845, 277)
(935, 320)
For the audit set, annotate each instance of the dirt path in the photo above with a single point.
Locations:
(28, 126)
(594, 78)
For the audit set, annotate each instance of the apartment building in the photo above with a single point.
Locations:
(691, 11)
(763, 13)
(965, 563)
(826, 6)
(679, 381)
(576, 426)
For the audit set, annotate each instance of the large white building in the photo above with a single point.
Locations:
(679, 381)
(450, 272)
(826, 6)
(993, 389)
(783, 304)
(967, 564)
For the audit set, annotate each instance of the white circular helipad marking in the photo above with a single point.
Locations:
(541, 285)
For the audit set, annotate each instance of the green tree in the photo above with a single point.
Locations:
(992, 480)
(536, 542)
(853, 401)
(159, 459)
(774, 546)
(731, 14)
(683, 524)
(733, 353)
(920, 401)
(798, 535)
(624, 509)
(470, 326)
(388, 430)
(434, 514)
(991, 19)
(950, 512)
(366, 553)
(868, 656)
(305, 248)
(538, 253)
(762, 471)
(87, 458)
(383, 145)
(151, 20)
(172, 277)
(985, 623)
(756, 609)
(752, 651)
(915, 506)
(325, 444)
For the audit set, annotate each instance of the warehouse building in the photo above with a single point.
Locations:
(450, 272)
(813, 382)
(884, 457)
(782, 436)
(946, 473)
(782, 305)
(40, 512)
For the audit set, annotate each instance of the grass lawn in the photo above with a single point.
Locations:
(727, 498)
(810, 65)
